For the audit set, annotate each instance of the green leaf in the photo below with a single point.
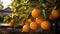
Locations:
(41, 1)
(44, 14)
(23, 8)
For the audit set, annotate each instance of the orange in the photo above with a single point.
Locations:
(22, 23)
(33, 26)
(45, 25)
(54, 14)
(12, 22)
(51, 17)
(39, 20)
(26, 28)
(35, 13)
(29, 20)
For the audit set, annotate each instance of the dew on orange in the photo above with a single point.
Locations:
(26, 28)
(45, 25)
(33, 26)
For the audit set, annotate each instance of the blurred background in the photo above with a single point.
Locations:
(4, 8)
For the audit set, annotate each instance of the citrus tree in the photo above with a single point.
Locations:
(33, 12)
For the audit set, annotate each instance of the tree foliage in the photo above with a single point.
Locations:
(21, 9)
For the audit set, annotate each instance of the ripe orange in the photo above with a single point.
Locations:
(39, 20)
(54, 14)
(12, 22)
(51, 17)
(29, 20)
(22, 23)
(45, 25)
(26, 28)
(33, 26)
(35, 13)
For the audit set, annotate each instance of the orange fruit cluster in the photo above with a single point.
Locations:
(39, 21)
